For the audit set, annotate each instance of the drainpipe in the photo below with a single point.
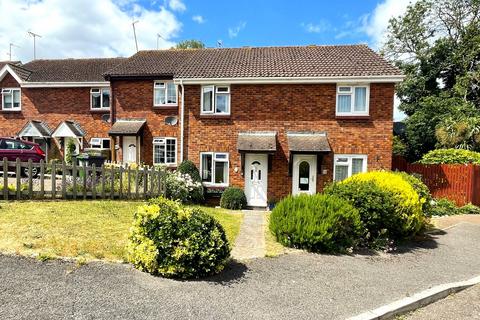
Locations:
(182, 111)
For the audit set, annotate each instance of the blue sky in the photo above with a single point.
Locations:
(270, 23)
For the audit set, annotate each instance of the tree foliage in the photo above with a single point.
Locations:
(190, 44)
(435, 44)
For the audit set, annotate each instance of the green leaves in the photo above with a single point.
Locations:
(233, 198)
(451, 156)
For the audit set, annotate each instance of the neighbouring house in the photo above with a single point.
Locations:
(271, 120)
(51, 102)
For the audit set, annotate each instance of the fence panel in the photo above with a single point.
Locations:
(459, 183)
(30, 181)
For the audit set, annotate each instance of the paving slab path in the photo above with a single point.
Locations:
(250, 242)
(292, 286)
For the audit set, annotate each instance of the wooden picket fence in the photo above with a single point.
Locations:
(62, 181)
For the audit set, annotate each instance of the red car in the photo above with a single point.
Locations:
(12, 149)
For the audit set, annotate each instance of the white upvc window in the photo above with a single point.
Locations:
(353, 100)
(100, 99)
(165, 151)
(100, 143)
(346, 165)
(214, 168)
(11, 99)
(215, 100)
(164, 93)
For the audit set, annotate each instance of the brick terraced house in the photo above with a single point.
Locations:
(272, 120)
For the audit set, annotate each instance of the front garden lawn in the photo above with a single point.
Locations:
(79, 229)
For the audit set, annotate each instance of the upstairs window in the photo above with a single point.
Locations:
(214, 168)
(164, 93)
(100, 143)
(347, 165)
(352, 100)
(11, 100)
(100, 99)
(165, 151)
(215, 100)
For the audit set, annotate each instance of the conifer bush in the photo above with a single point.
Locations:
(174, 241)
(318, 223)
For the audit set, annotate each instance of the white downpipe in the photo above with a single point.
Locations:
(182, 111)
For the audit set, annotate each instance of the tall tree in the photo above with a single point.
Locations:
(190, 44)
(435, 43)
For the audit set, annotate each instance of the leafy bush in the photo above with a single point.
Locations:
(188, 167)
(421, 188)
(408, 203)
(399, 147)
(233, 198)
(180, 186)
(316, 223)
(173, 241)
(443, 207)
(377, 208)
(451, 156)
(13, 187)
(469, 209)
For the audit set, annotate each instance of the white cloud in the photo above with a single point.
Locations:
(316, 28)
(375, 25)
(198, 19)
(233, 32)
(177, 5)
(100, 28)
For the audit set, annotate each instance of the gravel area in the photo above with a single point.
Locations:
(300, 285)
(462, 305)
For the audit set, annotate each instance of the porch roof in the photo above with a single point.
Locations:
(127, 127)
(260, 141)
(308, 142)
(69, 129)
(35, 128)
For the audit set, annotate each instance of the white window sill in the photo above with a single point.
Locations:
(165, 164)
(215, 185)
(165, 105)
(99, 109)
(11, 110)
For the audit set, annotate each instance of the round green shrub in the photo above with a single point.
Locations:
(451, 156)
(377, 208)
(174, 241)
(408, 203)
(189, 168)
(233, 198)
(318, 223)
(421, 188)
(469, 209)
(443, 207)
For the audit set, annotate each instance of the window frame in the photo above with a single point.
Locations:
(165, 88)
(215, 92)
(164, 143)
(101, 143)
(101, 89)
(351, 92)
(214, 155)
(349, 165)
(19, 108)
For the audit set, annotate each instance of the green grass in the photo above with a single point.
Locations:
(272, 247)
(84, 230)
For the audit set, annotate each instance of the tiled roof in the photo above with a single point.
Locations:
(263, 62)
(40, 126)
(69, 70)
(257, 141)
(308, 142)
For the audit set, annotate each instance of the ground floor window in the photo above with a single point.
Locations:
(100, 143)
(165, 151)
(214, 168)
(346, 165)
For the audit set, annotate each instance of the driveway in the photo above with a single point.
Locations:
(300, 285)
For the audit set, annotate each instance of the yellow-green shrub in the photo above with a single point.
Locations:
(409, 203)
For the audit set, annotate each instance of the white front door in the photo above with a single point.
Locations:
(129, 149)
(304, 174)
(256, 177)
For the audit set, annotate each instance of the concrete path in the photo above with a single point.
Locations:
(449, 221)
(250, 243)
(462, 305)
(294, 286)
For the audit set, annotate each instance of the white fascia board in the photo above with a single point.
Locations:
(7, 69)
(64, 84)
(273, 80)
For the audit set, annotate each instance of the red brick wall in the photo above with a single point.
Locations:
(53, 105)
(284, 108)
(134, 99)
